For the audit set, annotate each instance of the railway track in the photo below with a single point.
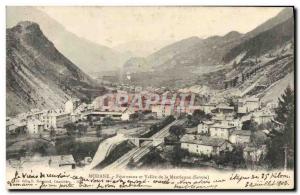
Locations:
(137, 153)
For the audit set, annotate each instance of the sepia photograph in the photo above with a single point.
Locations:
(150, 98)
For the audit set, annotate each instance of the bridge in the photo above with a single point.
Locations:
(102, 114)
(109, 144)
(137, 141)
(137, 153)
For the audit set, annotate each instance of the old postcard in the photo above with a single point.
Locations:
(143, 98)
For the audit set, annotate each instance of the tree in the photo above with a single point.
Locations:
(71, 128)
(236, 157)
(137, 116)
(196, 118)
(81, 129)
(152, 159)
(250, 125)
(267, 125)
(233, 158)
(177, 130)
(199, 114)
(285, 106)
(166, 121)
(276, 147)
(154, 127)
(98, 131)
(107, 121)
(177, 154)
(52, 132)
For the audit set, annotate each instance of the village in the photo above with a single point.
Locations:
(202, 128)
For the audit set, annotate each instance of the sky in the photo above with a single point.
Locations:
(112, 26)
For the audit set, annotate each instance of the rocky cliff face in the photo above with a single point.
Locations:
(38, 75)
(87, 55)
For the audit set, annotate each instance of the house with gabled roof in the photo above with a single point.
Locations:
(203, 145)
(240, 137)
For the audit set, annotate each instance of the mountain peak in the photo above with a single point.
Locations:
(48, 72)
(233, 34)
(28, 26)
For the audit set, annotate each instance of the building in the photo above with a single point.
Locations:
(60, 131)
(22, 117)
(207, 108)
(35, 126)
(81, 108)
(222, 113)
(221, 130)
(220, 117)
(224, 109)
(272, 105)
(163, 110)
(236, 123)
(99, 115)
(15, 127)
(71, 105)
(56, 118)
(203, 127)
(74, 117)
(203, 145)
(240, 137)
(35, 114)
(247, 105)
(263, 116)
(126, 115)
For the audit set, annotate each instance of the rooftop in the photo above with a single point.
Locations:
(242, 132)
(208, 122)
(263, 113)
(249, 99)
(191, 130)
(222, 125)
(35, 121)
(224, 107)
(202, 140)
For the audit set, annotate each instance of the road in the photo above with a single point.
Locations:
(137, 153)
